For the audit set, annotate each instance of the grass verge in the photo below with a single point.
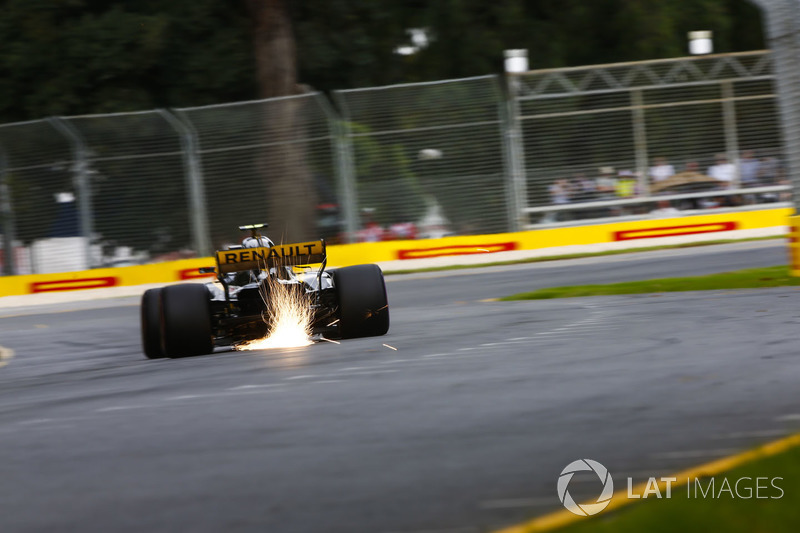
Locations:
(583, 255)
(688, 510)
(751, 278)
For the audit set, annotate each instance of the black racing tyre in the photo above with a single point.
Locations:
(363, 307)
(151, 324)
(186, 320)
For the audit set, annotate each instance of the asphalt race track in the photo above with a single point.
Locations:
(463, 428)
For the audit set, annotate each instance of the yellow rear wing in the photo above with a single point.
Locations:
(279, 255)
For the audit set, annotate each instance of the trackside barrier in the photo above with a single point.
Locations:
(716, 225)
(794, 245)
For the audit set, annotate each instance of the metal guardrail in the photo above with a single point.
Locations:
(771, 197)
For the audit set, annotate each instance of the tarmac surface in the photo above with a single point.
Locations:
(459, 420)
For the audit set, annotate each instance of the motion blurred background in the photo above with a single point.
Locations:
(145, 131)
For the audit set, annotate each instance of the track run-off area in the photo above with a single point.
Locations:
(459, 420)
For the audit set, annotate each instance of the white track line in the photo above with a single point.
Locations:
(364, 373)
(35, 421)
(792, 417)
(122, 408)
(6, 354)
(223, 394)
(259, 386)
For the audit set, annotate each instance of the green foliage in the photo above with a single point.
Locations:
(65, 57)
(384, 173)
(349, 43)
(86, 56)
(472, 34)
(752, 278)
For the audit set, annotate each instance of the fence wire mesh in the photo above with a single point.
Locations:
(782, 19)
(428, 158)
(36, 182)
(133, 171)
(610, 134)
(268, 161)
(559, 146)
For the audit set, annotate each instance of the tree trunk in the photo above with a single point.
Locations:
(291, 198)
(274, 48)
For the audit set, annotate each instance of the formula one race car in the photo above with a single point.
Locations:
(191, 318)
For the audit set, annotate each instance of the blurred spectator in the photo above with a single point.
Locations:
(661, 170)
(402, 231)
(688, 180)
(583, 188)
(559, 192)
(606, 184)
(625, 187)
(372, 231)
(692, 167)
(723, 171)
(329, 223)
(785, 196)
(664, 209)
(769, 171)
(749, 166)
(433, 225)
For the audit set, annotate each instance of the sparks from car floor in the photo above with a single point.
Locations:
(289, 317)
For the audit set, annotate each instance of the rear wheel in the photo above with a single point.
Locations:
(363, 307)
(151, 324)
(186, 320)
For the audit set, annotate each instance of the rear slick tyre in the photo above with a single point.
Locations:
(150, 315)
(186, 320)
(363, 306)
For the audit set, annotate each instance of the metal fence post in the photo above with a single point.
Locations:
(344, 168)
(518, 185)
(793, 143)
(80, 169)
(194, 181)
(512, 209)
(783, 34)
(731, 133)
(345, 175)
(640, 142)
(7, 214)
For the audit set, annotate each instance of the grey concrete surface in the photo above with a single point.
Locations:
(464, 427)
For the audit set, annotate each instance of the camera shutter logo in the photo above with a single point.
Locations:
(586, 509)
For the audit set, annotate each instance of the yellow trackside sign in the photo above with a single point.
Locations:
(302, 253)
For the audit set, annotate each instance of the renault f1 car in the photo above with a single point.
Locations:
(190, 319)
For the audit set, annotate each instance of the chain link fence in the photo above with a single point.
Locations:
(266, 161)
(632, 138)
(129, 172)
(782, 22)
(36, 164)
(468, 156)
(427, 158)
